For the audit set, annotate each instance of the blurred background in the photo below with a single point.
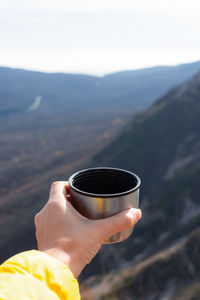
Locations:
(106, 83)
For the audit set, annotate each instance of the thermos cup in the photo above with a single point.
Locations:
(98, 193)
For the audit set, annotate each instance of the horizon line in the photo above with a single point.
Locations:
(96, 75)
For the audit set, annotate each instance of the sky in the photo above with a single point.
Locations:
(98, 37)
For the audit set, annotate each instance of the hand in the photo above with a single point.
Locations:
(71, 238)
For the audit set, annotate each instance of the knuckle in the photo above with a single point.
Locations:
(128, 221)
(55, 183)
(52, 206)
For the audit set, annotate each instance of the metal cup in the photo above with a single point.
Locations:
(98, 193)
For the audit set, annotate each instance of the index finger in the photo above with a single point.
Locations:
(59, 190)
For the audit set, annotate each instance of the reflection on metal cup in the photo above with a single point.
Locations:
(99, 193)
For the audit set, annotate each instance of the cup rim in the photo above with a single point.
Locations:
(70, 180)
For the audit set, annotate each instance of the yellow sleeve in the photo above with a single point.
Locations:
(36, 275)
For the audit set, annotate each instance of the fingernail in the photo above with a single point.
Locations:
(136, 213)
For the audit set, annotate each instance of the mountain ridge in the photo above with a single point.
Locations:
(75, 92)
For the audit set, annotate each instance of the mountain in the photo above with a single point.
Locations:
(19, 89)
(142, 87)
(132, 89)
(162, 146)
(162, 141)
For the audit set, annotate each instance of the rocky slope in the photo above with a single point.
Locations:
(162, 146)
(171, 274)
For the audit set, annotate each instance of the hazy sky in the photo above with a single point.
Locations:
(98, 37)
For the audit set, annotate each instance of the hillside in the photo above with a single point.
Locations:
(172, 274)
(162, 146)
(162, 141)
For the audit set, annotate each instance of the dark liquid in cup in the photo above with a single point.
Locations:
(104, 181)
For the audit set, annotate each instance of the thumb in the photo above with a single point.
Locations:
(105, 228)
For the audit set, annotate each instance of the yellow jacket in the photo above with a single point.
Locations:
(36, 275)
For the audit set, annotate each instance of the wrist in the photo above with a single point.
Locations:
(59, 255)
(68, 259)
